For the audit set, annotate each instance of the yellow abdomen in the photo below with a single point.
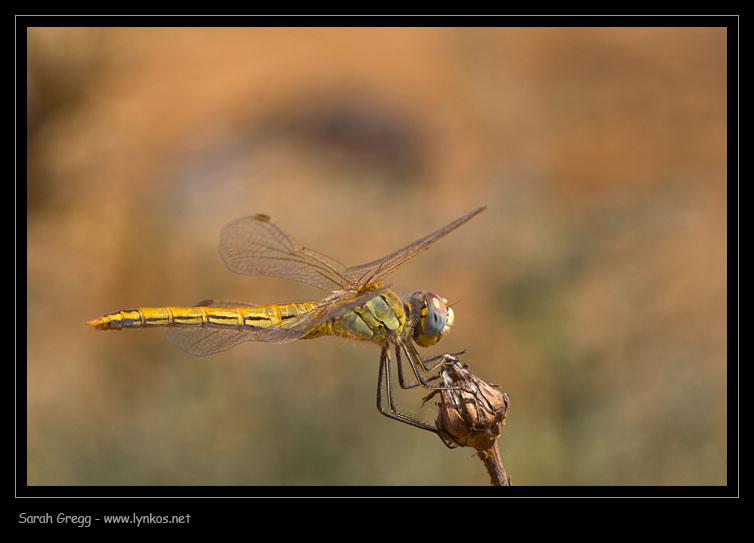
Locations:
(230, 317)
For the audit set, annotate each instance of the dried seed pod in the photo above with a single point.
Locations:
(472, 414)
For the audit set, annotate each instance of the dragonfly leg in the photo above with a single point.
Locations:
(413, 356)
(384, 377)
(439, 359)
(399, 363)
(425, 367)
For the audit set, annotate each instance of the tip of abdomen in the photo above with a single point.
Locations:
(99, 324)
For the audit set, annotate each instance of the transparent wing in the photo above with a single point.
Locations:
(204, 340)
(376, 271)
(258, 246)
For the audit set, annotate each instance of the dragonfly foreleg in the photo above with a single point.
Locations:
(384, 377)
(426, 365)
(413, 356)
(439, 359)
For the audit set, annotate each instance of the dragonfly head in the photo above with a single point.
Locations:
(432, 317)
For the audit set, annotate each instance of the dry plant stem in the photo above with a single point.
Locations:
(494, 464)
(472, 414)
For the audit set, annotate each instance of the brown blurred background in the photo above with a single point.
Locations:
(593, 289)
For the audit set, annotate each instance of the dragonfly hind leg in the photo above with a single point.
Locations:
(384, 379)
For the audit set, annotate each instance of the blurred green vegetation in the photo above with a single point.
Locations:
(593, 289)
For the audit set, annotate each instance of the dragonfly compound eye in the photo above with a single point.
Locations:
(437, 315)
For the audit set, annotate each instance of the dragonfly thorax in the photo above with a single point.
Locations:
(431, 318)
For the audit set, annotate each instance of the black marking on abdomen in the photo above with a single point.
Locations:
(128, 322)
(248, 325)
(224, 317)
(181, 320)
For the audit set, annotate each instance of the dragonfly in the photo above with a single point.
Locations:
(360, 306)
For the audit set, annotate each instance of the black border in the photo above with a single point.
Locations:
(398, 21)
